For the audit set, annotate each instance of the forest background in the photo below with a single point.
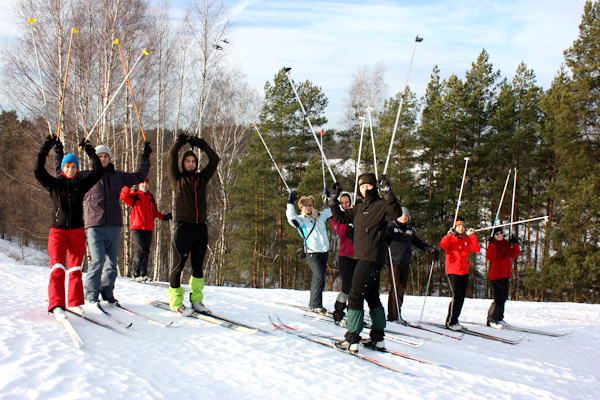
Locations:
(501, 123)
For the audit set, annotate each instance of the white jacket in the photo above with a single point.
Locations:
(317, 241)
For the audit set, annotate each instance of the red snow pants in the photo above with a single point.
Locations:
(65, 247)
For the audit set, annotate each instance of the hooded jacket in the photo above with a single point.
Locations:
(500, 255)
(457, 252)
(370, 220)
(190, 187)
(400, 239)
(143, 209)
(102, 206)
(67, 194)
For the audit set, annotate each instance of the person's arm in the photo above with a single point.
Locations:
(133, 178)
(126, 196)
(474, 243)
(213, 161)
(516, 250)
(88, 181)
(172, 163)
(490, 254)
(420, 244)
(39, 169)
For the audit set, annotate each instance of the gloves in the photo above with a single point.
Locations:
(326, 193)
(435, 253)
(47, 144)
(513, 240)
(336, 189)
(167, 217)
(292, 198)
(490, 240)
(451, 231)
(58, 148)
(147, 150)
(198, 142)
(89, 149)
(470, 231)
(384, 184)
(82, 143)
(182, 138)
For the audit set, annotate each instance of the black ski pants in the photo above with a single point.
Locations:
(500, 289)
(189, 240)
(400, 277)
(458, 284)
(142, 240)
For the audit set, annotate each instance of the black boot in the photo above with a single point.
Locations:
(338, 313)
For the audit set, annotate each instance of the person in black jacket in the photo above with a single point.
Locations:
(370, 221)
(66, 240)
(400, 238)
(191, 233)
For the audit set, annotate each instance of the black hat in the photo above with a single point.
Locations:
(497, 229)
(367, 178)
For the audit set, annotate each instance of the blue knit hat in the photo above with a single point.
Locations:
(69, 158)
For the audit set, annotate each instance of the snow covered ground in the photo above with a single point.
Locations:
(195, 359)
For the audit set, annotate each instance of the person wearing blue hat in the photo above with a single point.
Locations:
(66, 240)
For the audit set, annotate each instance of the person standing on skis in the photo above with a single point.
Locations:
(191, 233)
(346, 260)
(458, 244)
(370, 220)
(401, 237)
(500, 252)
(66, 240)
(141, 222)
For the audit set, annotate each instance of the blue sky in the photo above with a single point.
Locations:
(326, 42)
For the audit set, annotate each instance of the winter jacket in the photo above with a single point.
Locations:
(102, 206)
(370, 220)
(143, 209)
(500, 255)
(343, 230)
(67, 194)
(400, 239)
(457, 252)
(190, 187)
(317, 241)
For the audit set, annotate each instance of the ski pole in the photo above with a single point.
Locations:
(362, 130)
(203, 103)
(37, 60)
(64, 92)
(322, 133)
(373, 143)
(255, 126)
(417, 40)
(144, 53)
(131, 90)
(461, 190)
(427, 289)
(512, 209)
(514, 223)
(287, 72)
(502, 198)
(394, 283)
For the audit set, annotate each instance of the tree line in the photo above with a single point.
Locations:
(549, 136)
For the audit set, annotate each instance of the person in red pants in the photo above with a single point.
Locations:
(66, 240)
(141, 222)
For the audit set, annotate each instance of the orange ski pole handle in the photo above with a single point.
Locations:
(130, 89)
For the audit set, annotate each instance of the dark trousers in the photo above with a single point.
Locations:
(365, 287)
(400, 277)
(318, 264)
(347, 266)
(142, 240)
(500, 289)
(189, 239)
(458, 284)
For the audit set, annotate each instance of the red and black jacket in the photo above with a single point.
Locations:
(143, 209)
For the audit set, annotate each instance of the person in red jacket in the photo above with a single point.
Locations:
(346, 260)
(500, 252)
(458, 243)
(141, 222)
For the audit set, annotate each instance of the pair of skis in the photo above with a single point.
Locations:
(525, 330)
(478, 334)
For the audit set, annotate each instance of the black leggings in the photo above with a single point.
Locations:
(189, 239)
(142, 240)
(500, 289)
(347, 266)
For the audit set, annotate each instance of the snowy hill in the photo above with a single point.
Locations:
(195, 359)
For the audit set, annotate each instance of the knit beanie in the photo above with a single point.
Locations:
(103, 149)
(367, 178)
(69, 158)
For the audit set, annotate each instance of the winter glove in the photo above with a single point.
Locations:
(490, 240)
(167, 217)
(47, 144)
(58, 148)
(147, 150)
(182, 138)
(451, 231)
(470, 231)
(384, 184)
(435, 253)
(89, 149)
(292, 198)
(82, 143)
(513, 239)
(198, 142)
(326, 193)
(336, 189)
